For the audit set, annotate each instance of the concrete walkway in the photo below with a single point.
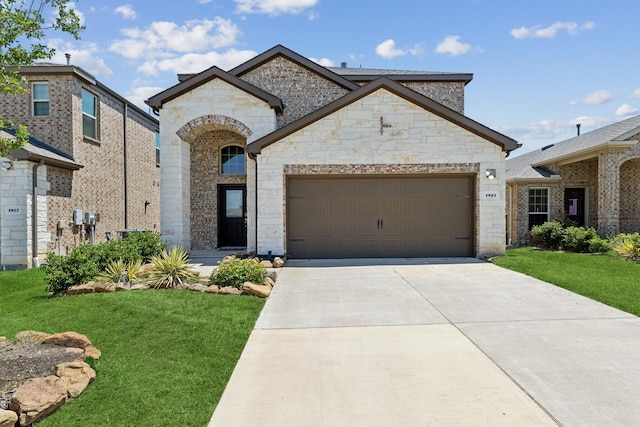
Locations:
(432, 342)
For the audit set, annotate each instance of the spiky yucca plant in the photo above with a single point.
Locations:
(628, 246)
(171, 269)
(115, 269)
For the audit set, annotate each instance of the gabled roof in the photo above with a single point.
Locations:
(361, 75)
(36, 150)
(428, 104)
(207, 75)
(612, 137)
(280, 50)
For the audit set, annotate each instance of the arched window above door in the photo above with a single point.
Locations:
(232, 160)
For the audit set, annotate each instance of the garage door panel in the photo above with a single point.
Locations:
(380, 217)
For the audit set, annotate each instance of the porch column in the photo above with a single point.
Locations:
(608, 194)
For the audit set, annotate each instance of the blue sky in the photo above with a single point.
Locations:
(540, 67)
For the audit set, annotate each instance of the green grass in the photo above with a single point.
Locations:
(603, 277)
(166, 354)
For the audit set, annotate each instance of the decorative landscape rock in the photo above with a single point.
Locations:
(85, 288)
(32, 336)
(76, 375)
(68, 339)
(37, 398)
(277, 262)
(8, 418)
(198, 287)
(272, 275)
(266, 263)
(229, 290)
(213, 289)
(92, 352)
(105, 287)
(262, 291)
(269, 282)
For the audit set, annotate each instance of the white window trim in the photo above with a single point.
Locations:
(95, 118)
(529, 206)
(34, 99)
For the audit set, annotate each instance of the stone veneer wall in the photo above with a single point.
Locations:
(349, 140)
(183, 119)
(99, 186)
(301, 90)
(205, 177)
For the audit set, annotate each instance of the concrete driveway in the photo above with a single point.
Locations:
(427, 342)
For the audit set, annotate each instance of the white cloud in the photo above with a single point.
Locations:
(312, 15)
(626, 110)
(452, 45)
(204, 1)
(138, 94)
(537, 31)
(636, 93)
(83, 57)
(195, 62)
(325, 62)
(554, 130)
(387, 49)
(162, 37)
(418, 50)
(126, 10)
(595, 98)
(274, 7)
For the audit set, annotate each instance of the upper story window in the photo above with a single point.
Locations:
(157, 149)
(232, 160)
(89, 114)
(40, 99)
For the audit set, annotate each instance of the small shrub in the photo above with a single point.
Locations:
(550, 234)
(577, 239)
(171, 269)
(599, 245)
(239, 271)
(115, 270)
(147, 243)
(63, 272)
(627, 246)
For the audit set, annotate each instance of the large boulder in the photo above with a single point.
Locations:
(76, 375)
(266, 263)
(262, 291)
(68, 339)
(37, 398)
(278, 262)
(8, 418)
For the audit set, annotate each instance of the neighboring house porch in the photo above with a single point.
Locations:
(592, 179)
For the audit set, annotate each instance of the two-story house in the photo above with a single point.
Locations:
(90, 170)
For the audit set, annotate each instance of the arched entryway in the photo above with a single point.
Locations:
(217, 181)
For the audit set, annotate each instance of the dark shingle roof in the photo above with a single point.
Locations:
(522, 167)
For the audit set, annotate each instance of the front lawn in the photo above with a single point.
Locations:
(167, 355)
(606, 278)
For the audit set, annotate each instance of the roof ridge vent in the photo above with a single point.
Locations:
(547, 147)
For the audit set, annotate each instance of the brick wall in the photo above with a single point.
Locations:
(302, 91)
(450, 94)
(205, 177)
(100, 186)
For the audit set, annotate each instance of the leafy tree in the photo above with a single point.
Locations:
(23, 27)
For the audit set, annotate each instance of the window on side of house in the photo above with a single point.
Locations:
(89, 114)
(538, 206)
(157, 149)
(232, 160)
(40, 99)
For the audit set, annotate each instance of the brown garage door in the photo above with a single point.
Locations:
(380, 217)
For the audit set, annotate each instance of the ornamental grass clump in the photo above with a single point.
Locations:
(118, 269)
(238, 271)
(627, 246)
(172, 269)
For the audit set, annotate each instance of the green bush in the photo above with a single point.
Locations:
(577, 239)
(627, 246)
(147, 243)
(239, 271)
(86, 261)
(550, 234)
(599, 245)
(171, 269)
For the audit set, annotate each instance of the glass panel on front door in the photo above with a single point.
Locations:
(234, 204)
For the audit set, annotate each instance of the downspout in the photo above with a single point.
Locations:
(124, 143)
(255, 220)
(34, 215)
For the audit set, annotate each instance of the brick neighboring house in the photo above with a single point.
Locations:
(284, 156)
(593, 178)
(90, 150)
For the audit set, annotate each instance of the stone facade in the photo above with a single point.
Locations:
(349, 142)
(119, 179)
(212, 112)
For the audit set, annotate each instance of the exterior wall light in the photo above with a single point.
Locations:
(6, 165)
(490, 173)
